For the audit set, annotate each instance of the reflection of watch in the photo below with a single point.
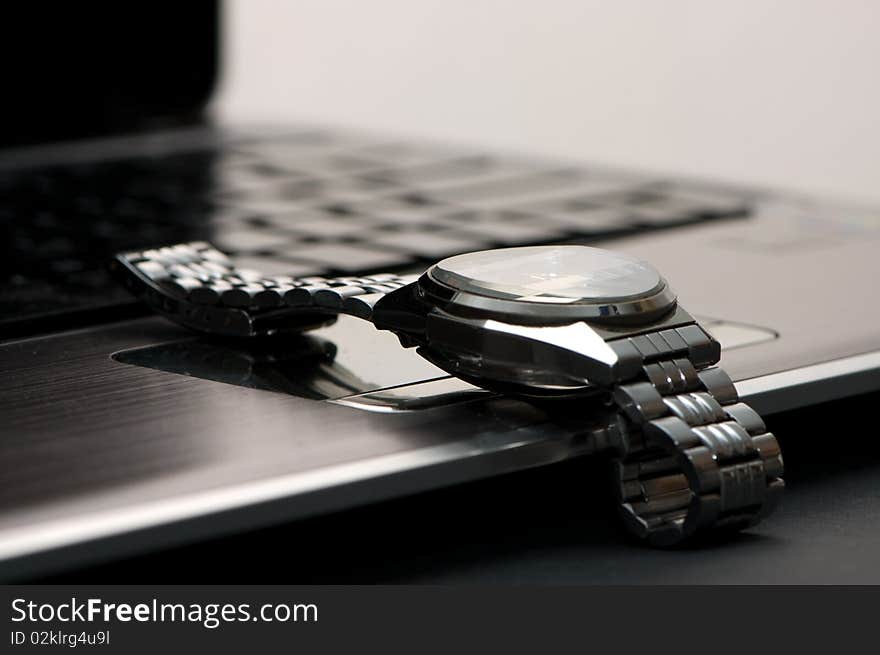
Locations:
(538, 322)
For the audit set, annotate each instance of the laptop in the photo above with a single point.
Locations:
(123, 433)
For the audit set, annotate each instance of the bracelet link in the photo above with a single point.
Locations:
(703, 461)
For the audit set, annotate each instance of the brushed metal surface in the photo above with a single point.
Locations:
(92, 448)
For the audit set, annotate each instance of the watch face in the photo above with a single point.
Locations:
(555, 275)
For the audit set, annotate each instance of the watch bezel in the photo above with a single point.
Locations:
(632, 311)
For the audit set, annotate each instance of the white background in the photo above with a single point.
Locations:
(783, 93)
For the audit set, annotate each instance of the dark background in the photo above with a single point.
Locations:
(77, 69)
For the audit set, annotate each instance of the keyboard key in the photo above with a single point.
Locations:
(501, 230)
(468, 168)
(495, 192)
(588, 193)
(229, 216)
(712, 204)
(586, 222)
(311, 192)
(283, 149)
(330, 164)
(666, 213)
(428, 245)
(348, 257)
(397, 153)
(250, 240)
(332, 227)
(238, 173)
(396, 209)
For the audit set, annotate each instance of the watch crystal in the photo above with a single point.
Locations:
(549, 274)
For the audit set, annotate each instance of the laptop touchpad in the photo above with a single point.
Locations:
(347, 359)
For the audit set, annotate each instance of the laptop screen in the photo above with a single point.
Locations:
(83, 69)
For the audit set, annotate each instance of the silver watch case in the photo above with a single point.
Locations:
(525, 348)
(571, 359)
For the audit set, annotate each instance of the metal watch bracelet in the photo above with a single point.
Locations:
(198, 286)
(695, 460)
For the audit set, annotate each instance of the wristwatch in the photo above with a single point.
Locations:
(546, 323)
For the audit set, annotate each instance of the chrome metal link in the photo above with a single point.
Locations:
(695, 459)
(197, 285)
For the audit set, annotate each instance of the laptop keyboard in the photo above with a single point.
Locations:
(311, 203)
